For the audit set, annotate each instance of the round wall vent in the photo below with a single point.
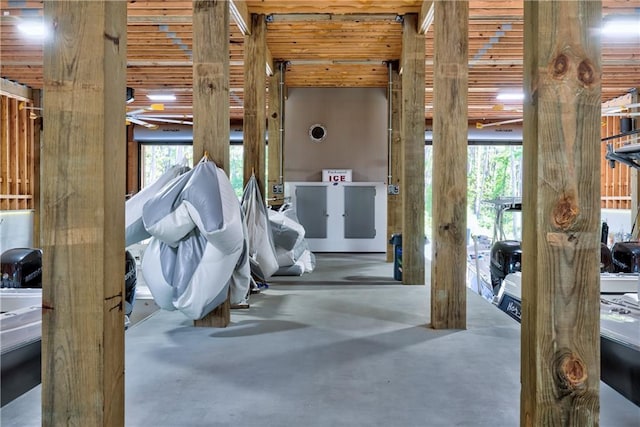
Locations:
(317, 133)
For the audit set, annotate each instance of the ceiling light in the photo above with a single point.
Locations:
(621, 26)
(510, 96)
(161, 97)
(238, 18)
(33, 29)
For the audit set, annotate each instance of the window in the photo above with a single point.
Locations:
(157, 158)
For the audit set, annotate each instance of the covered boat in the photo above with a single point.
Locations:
(292, 251)
(619, 330)
(198, 254)
(262, 253)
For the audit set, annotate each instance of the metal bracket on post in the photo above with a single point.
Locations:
(393, 189)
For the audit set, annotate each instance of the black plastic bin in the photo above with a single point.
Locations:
(396, 241)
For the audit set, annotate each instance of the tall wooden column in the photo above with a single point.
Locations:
(211, 102)
(255, 47)
(83, 184)
(276, 135)
(413, 46)
(560, 267)
(394, 201)
(133, 162)
(35, 163)
(211, 81)
(635, 176)
(448, 272)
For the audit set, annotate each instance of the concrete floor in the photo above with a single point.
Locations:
(342, 346)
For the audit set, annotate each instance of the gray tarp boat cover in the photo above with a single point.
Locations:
(198, 253)
(134, 227)
(292, 251)
(262, 253)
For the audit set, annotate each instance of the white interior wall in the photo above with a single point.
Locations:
(16, 229)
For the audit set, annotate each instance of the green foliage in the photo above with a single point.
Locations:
(493, 171)
(236, 167)
(158, 158)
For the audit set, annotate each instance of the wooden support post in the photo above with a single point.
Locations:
(23, 127)
(394, 201)
(220, 317)
(4, 152)
(413, 46)
(450, 75)
(83, 170)
(211, 81)
(211, 102)
(560, 247)
(635, 178)
(254, 101)
(35, 172)
(276, 135)
(133, 163)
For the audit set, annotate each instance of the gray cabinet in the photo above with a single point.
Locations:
(359, 212)
(341, 217)
(311, 208)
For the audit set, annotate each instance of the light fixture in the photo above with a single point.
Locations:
(510, 96)
(32, 110)
(621, 26)
(161, 97)
(33, 29)
(317, 133)
(237, 16)
(428, 19)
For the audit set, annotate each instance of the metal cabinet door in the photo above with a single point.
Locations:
(311, 207)
(359, 212)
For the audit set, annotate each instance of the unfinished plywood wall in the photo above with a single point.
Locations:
(16, 155)
(615, 183)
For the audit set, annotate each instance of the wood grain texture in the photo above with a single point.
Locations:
(211, 81)
(211, 102)
(275, 119)
(35, 172)
(448, 272)
(4, 152)
(16, 117)
(255, 116)
(133, 163)
(83, 162)
(22, 154)
(394, 201)
(413, 270)
(635, 178)
(338, 32)
(220, 317)
(560, 357)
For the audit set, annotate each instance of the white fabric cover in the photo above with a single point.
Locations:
(292, 251)
(134, 227)
(261, 249)
(198, 251)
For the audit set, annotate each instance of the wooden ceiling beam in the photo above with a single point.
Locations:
(268, 7)
(159, 19)
(15, 90)
(331, 17)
